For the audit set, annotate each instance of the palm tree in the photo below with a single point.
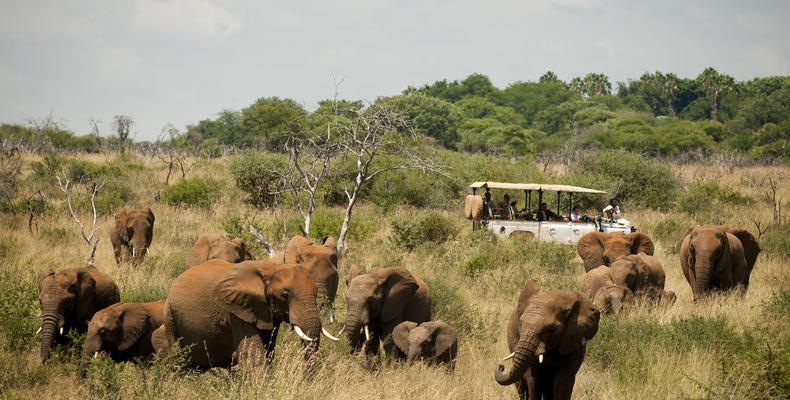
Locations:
(715, 85)
(577, 86)
(596, 84)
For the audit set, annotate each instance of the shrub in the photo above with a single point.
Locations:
(702, 195)
(191, 192)
(413, 230)
(252, 174)
(18, 303)
(777, 240)
(668, 231)
(110, 198)
(448, 305)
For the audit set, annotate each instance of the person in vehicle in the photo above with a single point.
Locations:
(612, 211)
(488, 205)
(574, 217)
(544, 214)
(506, 206)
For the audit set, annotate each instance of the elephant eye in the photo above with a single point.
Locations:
(284, 294)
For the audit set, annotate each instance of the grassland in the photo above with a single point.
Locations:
(725, 347)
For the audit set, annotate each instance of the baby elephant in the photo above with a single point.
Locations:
(123, 330)
(434, 341)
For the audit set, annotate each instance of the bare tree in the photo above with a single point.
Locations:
(122, 125)
(95, 188)
(10, 167)
(775, 203)
(172, 154)
(372, 134)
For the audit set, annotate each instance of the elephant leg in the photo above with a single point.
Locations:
(123, 253)
(565, 377)
(249, 347)
(372, 351)
(269, 339)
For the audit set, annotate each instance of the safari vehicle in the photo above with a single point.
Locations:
(506, 221)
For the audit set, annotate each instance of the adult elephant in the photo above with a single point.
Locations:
(230, 312)
(641, 274)
(211, 246)
(132, 234)
(717, 257)
(320, 261)
(123, 330)
(547, 333)
(598, 248)
(378, 301)
(436, 342)
(68, 299)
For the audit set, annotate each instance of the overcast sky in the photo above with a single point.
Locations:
(181, 61)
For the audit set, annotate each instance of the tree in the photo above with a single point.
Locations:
(716, 85)
(595, 84)
(370, 135)
(577, 85)
(549, 77)
(226, 129)
(430, 116)
(122, 126)
(271, 119)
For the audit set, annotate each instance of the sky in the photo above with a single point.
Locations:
(181, 61)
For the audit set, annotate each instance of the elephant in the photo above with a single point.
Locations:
(597, 248)
(717, 257)
(320, 261)
(378, 301)
(210, 246)
(123, 330)
(232, 312)
(132, 234)
(547, 334)
(642, 275)
(612, 298)
(434, 341)
(353, 272)
(68, 299)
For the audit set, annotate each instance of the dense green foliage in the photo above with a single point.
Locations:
(191, 192)
(410, 231)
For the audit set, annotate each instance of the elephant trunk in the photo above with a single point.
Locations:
(617, 303)
(523, 355)
(701, 278)
(49, 327)
(139, 247)
(91, 347)
(414, 353)
(309, 321)
(352, 326)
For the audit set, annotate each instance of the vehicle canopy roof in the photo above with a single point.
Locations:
(534, 186)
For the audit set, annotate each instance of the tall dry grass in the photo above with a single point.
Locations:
(644, 353)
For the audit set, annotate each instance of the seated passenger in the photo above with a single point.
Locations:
(488, 206)
(613, 212)
(574, 217)
(544, 214)
(507, 206)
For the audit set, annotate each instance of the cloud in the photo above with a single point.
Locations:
(198, 18)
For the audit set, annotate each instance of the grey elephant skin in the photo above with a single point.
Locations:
(597, 248)
(547, 333)
(378, 301)
(320, 261)
(231, 312)
(436, 342)
(70, 298)
(717, 257)
(132, 234)
(122, 330)
(210, 247)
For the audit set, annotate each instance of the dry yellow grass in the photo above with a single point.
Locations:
(341, 376)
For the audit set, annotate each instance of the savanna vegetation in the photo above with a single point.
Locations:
(677, 152)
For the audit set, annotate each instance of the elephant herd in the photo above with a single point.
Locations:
(548, 331)
(227, 308)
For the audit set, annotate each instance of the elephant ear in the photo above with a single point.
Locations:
(134, 324)
(85, 288)
(150, 216)
(245, 253)
(121, 224)
(353, 272)
(48, 272)
(400, 335)
(530, 289)
(243, 289)
(590, 249)
(159, 340)
(399, 287)
(296, 246)
(199, 251)
(683, 237)
(444, 336)
(640, 243)
(578, 327)
(750, 246)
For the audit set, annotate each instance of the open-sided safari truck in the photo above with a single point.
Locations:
(504, 220)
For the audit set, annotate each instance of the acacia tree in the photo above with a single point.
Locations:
(122, 125)
(372, 134)
(715, 85)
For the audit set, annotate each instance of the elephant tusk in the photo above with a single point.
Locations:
(133, 251)
(96, 354)
(540, 358)
(61, 330)
(332, 316)
(367, 334)
(341, 330)
(38, 331)
(301, 334)
(328, 335)
(513, 354)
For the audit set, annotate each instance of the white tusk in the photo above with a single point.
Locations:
(342, 329)
(327, 334)
(540, 358)
(301, 334)
(367, 334)
(96, 354)
(133, 251)
(61, 330)
(510, 356)
(38, 331)
(331, 315)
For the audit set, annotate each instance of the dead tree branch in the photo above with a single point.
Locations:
(88, 238)
(775, 203)
(260, 240)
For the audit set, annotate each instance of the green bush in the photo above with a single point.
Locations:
(252, 175)
(191, 192)
(413, 230)
(111, 197)
(776, 240)
(668, 231)
(18, 304)
(328, 222)
(448, 305)
(702, 196)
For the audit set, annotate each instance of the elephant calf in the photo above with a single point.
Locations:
(132, 234)
(547, 333)
(123, 330)
(434, 341)
(210, 247)
(635, 276)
